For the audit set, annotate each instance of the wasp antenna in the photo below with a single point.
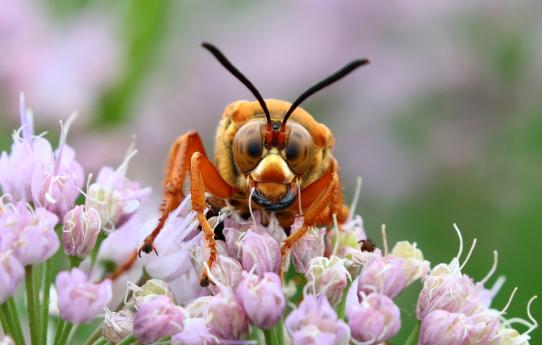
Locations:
(233, 70)
(322, 84)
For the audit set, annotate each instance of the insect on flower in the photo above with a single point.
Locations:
(270, 155)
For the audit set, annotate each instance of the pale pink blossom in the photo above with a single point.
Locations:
(80, 300)
(225, 316)
(117, 325)
(195, 332)
(156, 318)
(441, 327)
(11, 269)
(80, 231)
(329, 277)
(373, 318)
(309, 246)
(262, 298)
(261, 253)
(315, 322)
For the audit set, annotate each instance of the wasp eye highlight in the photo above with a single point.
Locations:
(299, 149)
(248, 146)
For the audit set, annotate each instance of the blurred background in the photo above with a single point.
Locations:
(444, 125)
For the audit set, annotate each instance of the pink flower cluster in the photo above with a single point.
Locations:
(41, 187)
(454, 309)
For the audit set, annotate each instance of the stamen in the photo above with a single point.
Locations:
(64, 129)
(130, 153)
(26, 120)
(336, 246)
(469, 254)
(355, 199)
(503, 311)
(530, 315)
(460, 252)
(250, 206)
(498, 285)
(384, 238)
(493, 268)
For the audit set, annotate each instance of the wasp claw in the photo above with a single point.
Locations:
(147, 247)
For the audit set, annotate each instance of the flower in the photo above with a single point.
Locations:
(262, 298)
(195, 332)
(225, 317)
(328, 276)
(117, 325)
(114, 196)
(309, 246)
(151, 288)
(57, 184)
(225, 271)
(383, 274)
(28, 153)
(315, 322)
(261, 253)
(444, 328)
(80, 300)
(414, 266)
(80, 231)
(36, 240)
(11, 269)
(156, 318)
(374, 319)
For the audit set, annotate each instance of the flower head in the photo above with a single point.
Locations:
(80, 300)
(374, 319)
(80, 231)
(11, 269)
(225, 316)
(114, 196)
(156, 318)
(261, 298)
(195, 332)
(309, 246)
(328, 276)
(444, 328)
(36, 237)
(57, 184)
(385, 275)
(315, 322)
(261, 253)
(117, 325)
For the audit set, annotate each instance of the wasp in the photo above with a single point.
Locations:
(270, 155)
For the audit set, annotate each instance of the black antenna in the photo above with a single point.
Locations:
(233, 70)
(322, 84)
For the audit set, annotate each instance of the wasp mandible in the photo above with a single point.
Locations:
(270, 155)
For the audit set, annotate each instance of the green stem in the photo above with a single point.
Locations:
(279, 329)
(14, 315)
(341, 307)
(99, 341)
(270, 336)
(413, 337)
(128, 340)
(7, 323)
(31, 303)
(95, 336)
(65, 333)
(74, 261)
(47, 279)
(59, 329)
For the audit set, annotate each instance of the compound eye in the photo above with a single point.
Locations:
(248, 146)
(299, 149)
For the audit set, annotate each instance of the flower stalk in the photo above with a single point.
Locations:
(44, 318)
(13, 315)
(32, 306)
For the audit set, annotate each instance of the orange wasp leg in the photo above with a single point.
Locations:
(205, 176)
(178, 167)
(322, 205)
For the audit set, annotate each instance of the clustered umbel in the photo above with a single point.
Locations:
(335, 286)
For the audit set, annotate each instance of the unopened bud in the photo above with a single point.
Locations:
(117, 325)
(80, 231)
